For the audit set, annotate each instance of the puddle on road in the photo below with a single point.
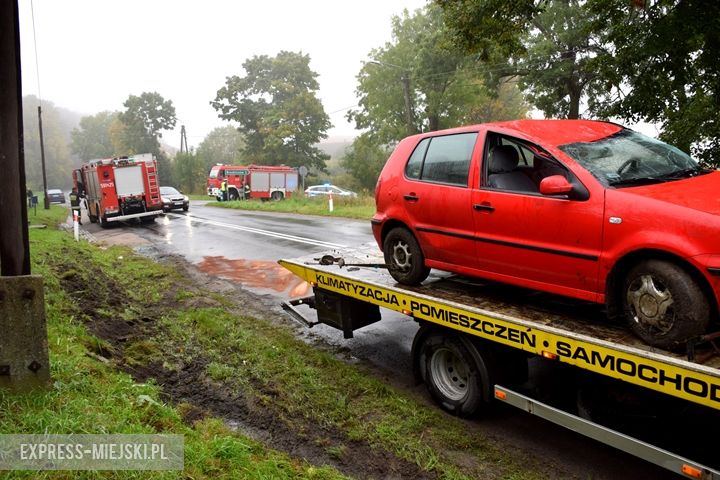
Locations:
(256, 274)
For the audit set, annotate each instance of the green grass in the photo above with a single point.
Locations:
(199, 196)
(362, 207)
(333, 405)
(90, 396)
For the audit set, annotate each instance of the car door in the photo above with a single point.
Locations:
(533, 239)
(437, 196)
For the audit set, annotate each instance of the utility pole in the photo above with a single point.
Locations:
(42, 159)
(183, 140)
(405, 80)
(24, 363)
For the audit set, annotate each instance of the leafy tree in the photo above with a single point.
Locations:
(661, 66)
(92, 138)
(57, 125)
(443, 84)
(364, 160)
(139, 127)
(222, 145)
(278, 112)
(189, 172)
(550, 44)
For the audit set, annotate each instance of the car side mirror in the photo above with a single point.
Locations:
(555, 185)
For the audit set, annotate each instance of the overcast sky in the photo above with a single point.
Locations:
(93, 54)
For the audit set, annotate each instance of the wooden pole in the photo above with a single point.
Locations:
(42, 159)
(14, 245)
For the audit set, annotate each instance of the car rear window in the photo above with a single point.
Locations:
(444, 159)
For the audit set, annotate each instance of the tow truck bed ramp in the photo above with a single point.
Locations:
(567, 330)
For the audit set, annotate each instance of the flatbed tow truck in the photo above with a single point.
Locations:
(474, 347)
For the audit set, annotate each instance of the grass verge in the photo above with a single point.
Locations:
(89, 395)
(362, 207)
(168, 340)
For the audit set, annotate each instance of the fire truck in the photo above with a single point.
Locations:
(121, 188)
(265, 182)
(550, 357)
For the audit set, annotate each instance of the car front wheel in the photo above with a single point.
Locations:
(404, 257)
(663, 304)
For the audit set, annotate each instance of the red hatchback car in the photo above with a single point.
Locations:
(580, 208)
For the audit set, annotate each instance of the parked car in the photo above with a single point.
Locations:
(55, 195)
(172, 199)
(325, 190)
(585, 209)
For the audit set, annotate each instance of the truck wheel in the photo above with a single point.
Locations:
(276, 196)
(454, 372)
(232, 195)
(103, 221)
(404, 257)
(663, 304)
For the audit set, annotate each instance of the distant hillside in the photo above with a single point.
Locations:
(335, 146)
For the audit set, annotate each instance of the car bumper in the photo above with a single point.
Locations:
(176, 205)
(377, 222)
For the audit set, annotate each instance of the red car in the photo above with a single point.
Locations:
(586, 209)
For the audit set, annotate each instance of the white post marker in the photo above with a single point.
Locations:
(76, 226)
(330, 202)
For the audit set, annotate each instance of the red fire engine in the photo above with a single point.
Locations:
(264, 181)
(120, 188)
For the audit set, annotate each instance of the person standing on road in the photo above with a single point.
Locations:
(223, 190)
(246, 191)
(75, 198)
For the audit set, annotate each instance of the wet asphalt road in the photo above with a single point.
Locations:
(244, 246)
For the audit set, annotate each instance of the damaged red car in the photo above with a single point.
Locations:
(585, 209)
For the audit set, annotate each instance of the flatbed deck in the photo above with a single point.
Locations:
(569, 331)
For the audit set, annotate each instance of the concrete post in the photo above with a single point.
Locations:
(24, 363)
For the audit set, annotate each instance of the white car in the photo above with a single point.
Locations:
(325, 190)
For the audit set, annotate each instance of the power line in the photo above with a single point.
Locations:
(37, 62)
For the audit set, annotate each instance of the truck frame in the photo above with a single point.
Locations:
(119, 189)
(471, 347)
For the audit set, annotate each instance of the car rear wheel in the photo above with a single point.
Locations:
(404, 257)
(663, 304)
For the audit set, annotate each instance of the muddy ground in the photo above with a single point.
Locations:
(189, 388)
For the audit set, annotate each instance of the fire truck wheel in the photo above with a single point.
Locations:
(233, 195)
(454, 372)
(276, 196)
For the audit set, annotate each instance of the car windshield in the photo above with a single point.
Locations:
(168, 191)
(54, 192)
(629, 158)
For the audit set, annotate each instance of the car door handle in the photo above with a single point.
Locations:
(411, 197)
(484, 206)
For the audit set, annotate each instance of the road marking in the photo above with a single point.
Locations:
(285, 236)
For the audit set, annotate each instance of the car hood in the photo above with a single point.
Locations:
(700, 193)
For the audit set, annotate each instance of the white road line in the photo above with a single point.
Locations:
(285, 236)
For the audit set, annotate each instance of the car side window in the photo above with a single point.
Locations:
(414, 165)
(518, 166)
(444, 159)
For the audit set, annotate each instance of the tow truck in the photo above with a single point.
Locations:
(476, 347)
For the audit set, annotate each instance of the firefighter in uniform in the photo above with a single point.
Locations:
(223, 190)
(75, 203)
(246, 191)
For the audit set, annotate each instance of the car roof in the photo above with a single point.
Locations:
(554, 132)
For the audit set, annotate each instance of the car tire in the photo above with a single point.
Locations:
(663, 304)
(451, 374)
(404, 257)
(186, 208)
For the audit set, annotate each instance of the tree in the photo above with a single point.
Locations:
(443, 84)
(92, 138)
(364, 160)
(661, 66)
(222, 145)
(550, 45)
(189, 172)
(57, 125)
(139, 127)
(278, 112)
